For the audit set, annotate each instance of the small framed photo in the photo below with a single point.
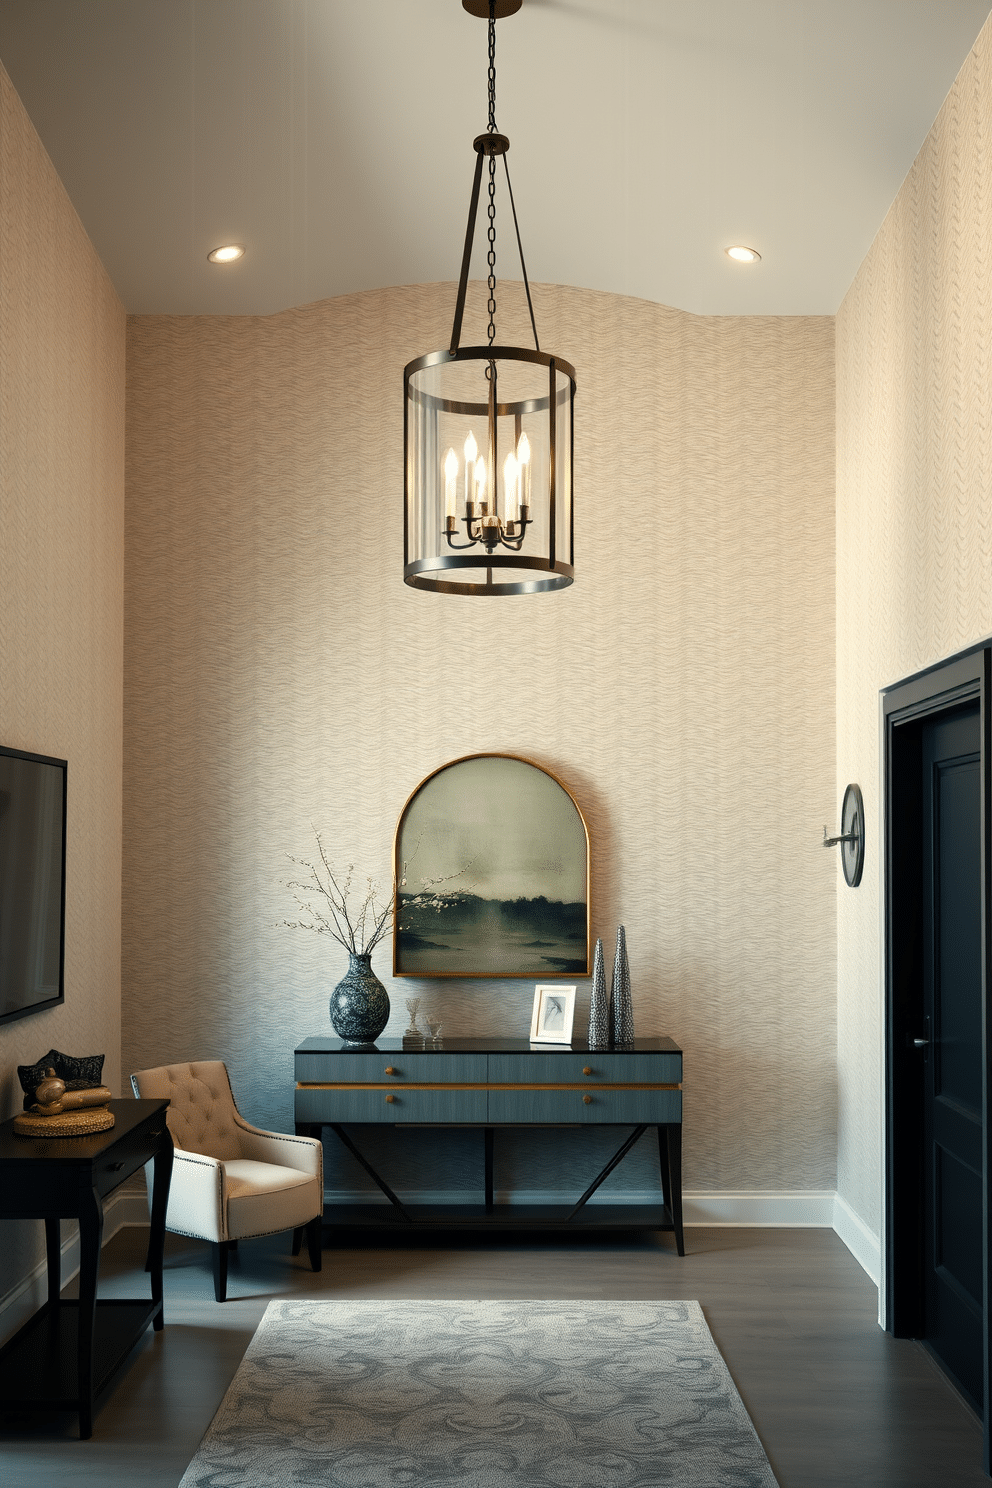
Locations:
(554, 1009)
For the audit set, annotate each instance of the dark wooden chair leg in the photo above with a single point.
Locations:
(315, 1242)
(297, 1239)
(220, 1250)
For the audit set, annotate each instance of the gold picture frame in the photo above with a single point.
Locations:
(491, 865)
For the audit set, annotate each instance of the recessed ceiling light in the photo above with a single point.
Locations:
(227, 254)
(742, 254)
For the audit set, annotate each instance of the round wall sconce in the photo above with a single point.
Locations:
(852, 836)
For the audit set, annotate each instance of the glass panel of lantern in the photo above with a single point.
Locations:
(478, 480)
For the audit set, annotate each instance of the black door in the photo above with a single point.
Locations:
(952, 1056)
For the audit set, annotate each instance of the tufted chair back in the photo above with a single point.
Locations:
(202, 1116)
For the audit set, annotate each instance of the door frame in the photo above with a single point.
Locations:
(905, 708)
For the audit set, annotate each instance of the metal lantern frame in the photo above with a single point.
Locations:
(493, 543)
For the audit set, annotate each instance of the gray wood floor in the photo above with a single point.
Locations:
(834, 1400)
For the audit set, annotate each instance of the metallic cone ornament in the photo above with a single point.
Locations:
(599, 1003)
(622, 1012)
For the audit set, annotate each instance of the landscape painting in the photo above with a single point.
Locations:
(492, 874)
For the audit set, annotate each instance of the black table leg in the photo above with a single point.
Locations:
(618, 1157)
(53, 1253)
(90, 1238)
(156, 1235)
(670, 1164)
(381, 1183)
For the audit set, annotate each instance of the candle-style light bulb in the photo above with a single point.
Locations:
(471, 456)
(450, 480)
(480, 481)
(511, 493)
(523, 455)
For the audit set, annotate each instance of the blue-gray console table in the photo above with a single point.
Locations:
(494, 1084)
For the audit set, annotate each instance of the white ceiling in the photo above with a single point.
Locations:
(333, 137)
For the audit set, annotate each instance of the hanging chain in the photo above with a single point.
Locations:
(492, 175)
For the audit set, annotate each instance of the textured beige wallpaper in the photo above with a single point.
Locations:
(278, 671)
(914, 522)
(62, 334)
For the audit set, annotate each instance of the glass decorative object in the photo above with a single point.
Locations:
(433, 1021)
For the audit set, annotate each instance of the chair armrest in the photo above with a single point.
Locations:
(305, 1154)
(197, 1202)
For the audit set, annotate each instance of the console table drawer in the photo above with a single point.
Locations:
(345, 1105)
(569, 1069)
(597, 1107)
(370, 1069)
(129, 1154)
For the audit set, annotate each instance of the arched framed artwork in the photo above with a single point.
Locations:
(491, 863)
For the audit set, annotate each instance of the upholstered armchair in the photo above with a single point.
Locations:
(231, 1181)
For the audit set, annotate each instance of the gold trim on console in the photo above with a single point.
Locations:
(411, 1085)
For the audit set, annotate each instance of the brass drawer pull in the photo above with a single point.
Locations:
(390, 1099)
(390, 1070)
(587, 1070)
(587, 1100)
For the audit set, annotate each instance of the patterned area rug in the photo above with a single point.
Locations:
(481, 1395)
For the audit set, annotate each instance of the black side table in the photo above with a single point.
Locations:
(69, 1353)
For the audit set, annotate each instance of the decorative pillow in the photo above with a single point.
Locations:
(31, 1075)
(88, 1068)
(78, 1074)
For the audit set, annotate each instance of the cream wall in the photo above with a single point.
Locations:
(61, 587)
(914, 523)
(278, 671)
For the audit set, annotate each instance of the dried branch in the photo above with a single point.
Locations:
(359, 929)
(324, 899)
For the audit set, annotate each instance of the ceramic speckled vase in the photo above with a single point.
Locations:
(359, 1002)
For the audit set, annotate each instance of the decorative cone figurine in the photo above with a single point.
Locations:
(599, 1003)
(621, 1010)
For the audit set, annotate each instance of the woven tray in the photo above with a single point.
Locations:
(65, 1124)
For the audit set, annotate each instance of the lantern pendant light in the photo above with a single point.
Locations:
(487, 431)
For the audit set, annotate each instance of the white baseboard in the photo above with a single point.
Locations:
(790, 1210)
(134, 1209)
(23, 1301)
(801, 1209)
(863, 1243)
